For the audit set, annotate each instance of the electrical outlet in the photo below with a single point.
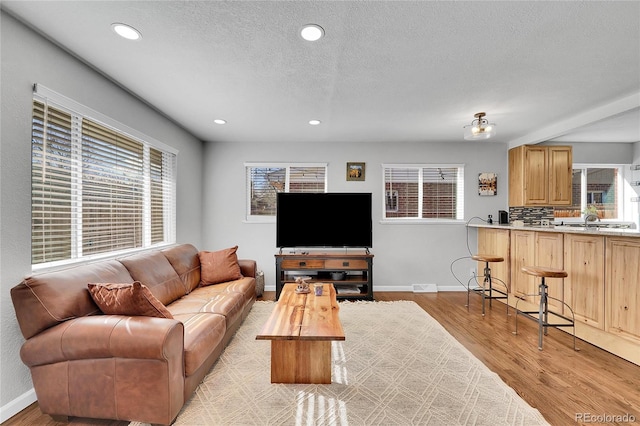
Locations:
(472, 272)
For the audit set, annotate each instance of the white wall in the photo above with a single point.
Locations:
(27, 58)
(404, 254)
(600, 152)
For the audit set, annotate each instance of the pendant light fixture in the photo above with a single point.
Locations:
(480, 128)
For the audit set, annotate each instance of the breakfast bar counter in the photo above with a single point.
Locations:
(591, 229)
(602, 284)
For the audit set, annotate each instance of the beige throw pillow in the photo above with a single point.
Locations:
(219, 266)
(133, 299)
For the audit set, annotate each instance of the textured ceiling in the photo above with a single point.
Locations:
(385, 71)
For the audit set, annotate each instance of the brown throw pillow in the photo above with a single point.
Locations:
(133, 299)
(219, 266)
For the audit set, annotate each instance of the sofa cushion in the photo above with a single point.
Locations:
(229, 305)
(203, 333)
(219, 266)
(49, 298)
(184, 259)
(153, 269)
(133, 299)
(245, 286)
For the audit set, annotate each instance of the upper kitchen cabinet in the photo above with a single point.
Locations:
(540, 175)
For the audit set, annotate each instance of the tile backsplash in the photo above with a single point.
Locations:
(531, 215)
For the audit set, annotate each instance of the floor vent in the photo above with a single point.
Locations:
(425, 288)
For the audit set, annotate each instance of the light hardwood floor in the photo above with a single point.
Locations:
(558, 381)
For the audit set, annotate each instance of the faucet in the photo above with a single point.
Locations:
(590, 216)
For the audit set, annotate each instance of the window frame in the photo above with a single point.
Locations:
(79, 112)
(620, 183)
(460, 193)
(249, 218)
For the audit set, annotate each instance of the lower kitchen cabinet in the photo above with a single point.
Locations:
(549, 254)
(522, 254)
(496, 242)
(537, 249)
(585, 283)
(623, 287)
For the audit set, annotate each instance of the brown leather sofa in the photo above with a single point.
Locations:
(87, 364)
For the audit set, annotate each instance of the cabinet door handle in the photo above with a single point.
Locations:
(303, 263)
(345, 263)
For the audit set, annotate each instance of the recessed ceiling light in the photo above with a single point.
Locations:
(314, 122)
(126, 31)
(312, 32)
(220, 121)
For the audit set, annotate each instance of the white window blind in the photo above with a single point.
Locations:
(264, 181)
(95, 190)
(429, 192)
(52, 181)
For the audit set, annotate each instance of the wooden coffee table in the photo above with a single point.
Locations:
(301, 328)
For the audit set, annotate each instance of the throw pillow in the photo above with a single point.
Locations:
(219, 266)
(133, 299)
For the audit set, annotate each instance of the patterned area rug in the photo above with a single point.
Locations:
(397, 366)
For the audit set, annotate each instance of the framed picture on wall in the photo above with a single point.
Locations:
(355, 171)
(487, 184)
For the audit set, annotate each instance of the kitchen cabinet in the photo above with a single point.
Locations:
(549, 253)
(536, 249)
(540, 175)
(585, 283)
(496, 242)
(623, 288)
(522, 254)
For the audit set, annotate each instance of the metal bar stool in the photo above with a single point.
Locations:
(487, 291)
(541, 316)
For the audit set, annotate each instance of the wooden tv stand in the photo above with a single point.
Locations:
(358, 266)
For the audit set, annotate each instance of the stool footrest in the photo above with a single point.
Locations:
(533, 315)
(479, 290)
(544, 317)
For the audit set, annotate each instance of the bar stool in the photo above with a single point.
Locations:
(541, 316)
(487, 291)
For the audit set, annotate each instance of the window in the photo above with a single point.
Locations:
(95, 190)
(597, 186)
(264, 181)
(423, 192)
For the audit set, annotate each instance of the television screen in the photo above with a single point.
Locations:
(333, 219)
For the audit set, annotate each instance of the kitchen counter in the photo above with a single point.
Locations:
(602, 286)
(592, 229)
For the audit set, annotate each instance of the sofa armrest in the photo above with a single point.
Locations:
(248, 267)
(106, 336)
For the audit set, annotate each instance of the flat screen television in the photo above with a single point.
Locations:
(332, 219)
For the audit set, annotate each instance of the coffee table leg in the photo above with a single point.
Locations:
(301, 361)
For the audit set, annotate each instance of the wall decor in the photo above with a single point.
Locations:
(487, 184)
(355, 171)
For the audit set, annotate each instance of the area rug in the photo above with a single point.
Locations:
(397, 366)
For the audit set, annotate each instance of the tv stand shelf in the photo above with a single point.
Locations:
(357, 265)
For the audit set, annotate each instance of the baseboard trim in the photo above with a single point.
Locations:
(20, 403)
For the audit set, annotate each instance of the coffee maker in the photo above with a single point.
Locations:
(503, 217)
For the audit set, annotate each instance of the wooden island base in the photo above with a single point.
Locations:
(301, 328)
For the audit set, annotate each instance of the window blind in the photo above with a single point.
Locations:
(51, 184)
(95, 190)
(112, 190)
(264, 181)
(423, 192)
